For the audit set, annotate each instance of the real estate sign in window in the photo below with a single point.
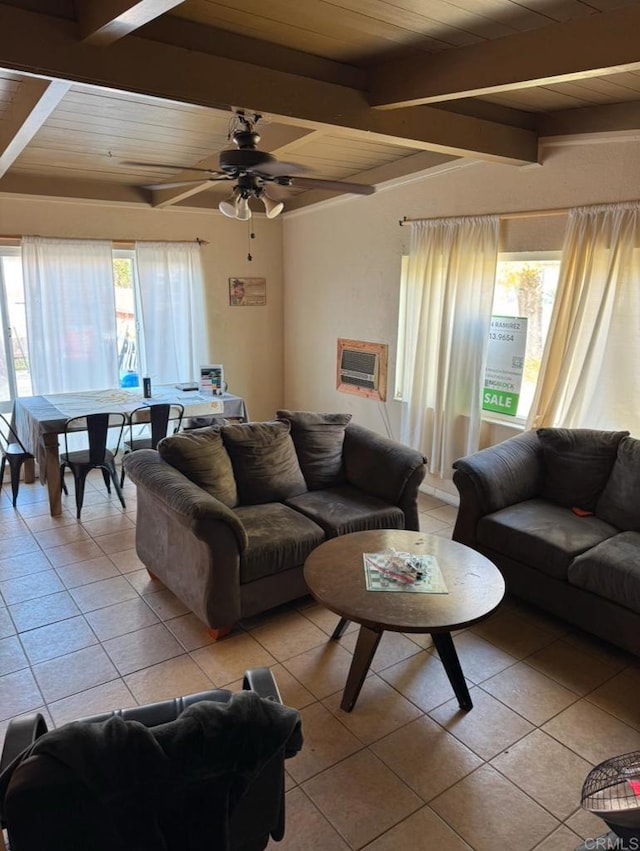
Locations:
(505, 364)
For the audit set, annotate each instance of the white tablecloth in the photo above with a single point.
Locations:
(35, 416)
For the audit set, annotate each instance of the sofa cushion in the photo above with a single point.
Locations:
(318, 439)
(200, 455)
(619, 502)
(576, 464)
(346, 509)
(611, 570)
(279, 538)
(264, 462)
(541, 534)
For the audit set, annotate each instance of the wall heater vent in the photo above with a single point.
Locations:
(362, 368)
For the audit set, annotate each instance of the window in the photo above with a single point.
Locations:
(15, 376)
(526, 287)
(135, 272)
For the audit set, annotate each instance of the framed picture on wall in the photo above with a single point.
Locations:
(247, 292)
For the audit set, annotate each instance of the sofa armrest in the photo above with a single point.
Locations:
(384, 468)
(190, 504)
(494, 478)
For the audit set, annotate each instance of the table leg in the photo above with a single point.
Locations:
(338, 632)
(366, 646)
(29, 469)
(52, 464)
(449, 658)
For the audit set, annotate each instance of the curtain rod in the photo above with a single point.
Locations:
(521, 214)
(118, 243)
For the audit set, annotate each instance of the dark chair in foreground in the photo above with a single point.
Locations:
(97, 455)
(14, 453)
(155, 418)
(199, 772)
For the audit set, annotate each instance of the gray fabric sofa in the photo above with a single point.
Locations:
(558, 511)
(227, 515)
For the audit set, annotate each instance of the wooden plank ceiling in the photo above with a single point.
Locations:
(365, 91)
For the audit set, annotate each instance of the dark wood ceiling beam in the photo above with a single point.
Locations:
(48, 46)
(193, 36)
(105, 21)
(18, 183)
(33, 103)
(586, 47)
(597, 120)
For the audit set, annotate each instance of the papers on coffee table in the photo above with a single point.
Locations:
(390, 570)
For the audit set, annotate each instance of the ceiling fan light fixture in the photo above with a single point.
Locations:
(272, 208)
(243, 211)
(228, 206)
(236, 206)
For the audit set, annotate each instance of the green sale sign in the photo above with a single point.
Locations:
(502, 403)
(505, 364)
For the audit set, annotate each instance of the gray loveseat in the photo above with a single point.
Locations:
(227, 515)
(558, 511)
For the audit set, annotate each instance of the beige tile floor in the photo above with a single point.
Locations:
(84, 629)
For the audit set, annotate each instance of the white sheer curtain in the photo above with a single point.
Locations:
(590, 370)
(71, 316)
(172, 307)
(451, 273)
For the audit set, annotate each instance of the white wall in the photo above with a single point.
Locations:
(342, 260)
(247, 340)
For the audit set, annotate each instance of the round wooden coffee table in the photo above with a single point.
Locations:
(335, 575)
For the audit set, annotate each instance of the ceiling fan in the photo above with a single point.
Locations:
(257, 174)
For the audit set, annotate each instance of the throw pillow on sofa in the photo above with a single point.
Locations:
(201, 456)
(264, 462)
(576, 464)
(318, 439)
(619, 502)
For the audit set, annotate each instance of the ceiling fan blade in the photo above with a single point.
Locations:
(169, 165)
(333, 185)
(276, 192)
(278, 169)
(178, 183)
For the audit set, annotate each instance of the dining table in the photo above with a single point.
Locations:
(40, 420)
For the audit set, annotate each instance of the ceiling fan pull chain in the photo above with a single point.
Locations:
(250, 235)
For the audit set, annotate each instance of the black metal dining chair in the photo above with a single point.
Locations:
(97, 455)
(14, 453)
(155, 417)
